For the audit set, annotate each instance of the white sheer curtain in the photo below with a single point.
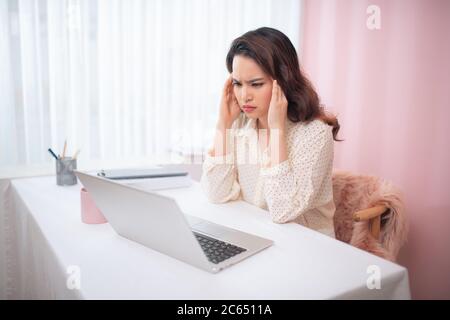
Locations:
(129, 82)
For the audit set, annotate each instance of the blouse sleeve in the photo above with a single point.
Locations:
(292, 186)
(219, 178)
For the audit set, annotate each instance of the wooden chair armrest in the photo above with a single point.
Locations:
(369, 213)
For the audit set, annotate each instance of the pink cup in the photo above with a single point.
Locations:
(89, 211)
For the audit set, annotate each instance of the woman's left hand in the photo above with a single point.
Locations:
(277, 108)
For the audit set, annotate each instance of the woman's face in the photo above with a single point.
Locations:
(252, 87)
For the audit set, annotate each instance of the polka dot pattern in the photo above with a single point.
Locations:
(296, 190)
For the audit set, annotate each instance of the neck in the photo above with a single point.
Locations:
(262, 123)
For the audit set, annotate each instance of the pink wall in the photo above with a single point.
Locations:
(391, 91)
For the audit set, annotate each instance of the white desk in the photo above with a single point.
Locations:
(45, 236)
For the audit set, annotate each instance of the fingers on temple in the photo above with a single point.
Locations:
(278, 90)
(226, 87)
(274, 89)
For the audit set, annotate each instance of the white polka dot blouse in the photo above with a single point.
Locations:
(297, 190)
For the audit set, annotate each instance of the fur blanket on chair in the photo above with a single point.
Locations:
(357, 192)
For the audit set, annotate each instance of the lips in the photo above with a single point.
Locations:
(248, 108)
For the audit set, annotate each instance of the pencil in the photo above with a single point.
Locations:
(76, 154)
(64, 150)
(52, 153)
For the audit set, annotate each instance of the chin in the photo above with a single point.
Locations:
(252, 115)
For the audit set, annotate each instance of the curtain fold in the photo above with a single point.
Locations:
(122, 80)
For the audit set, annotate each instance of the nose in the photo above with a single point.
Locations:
(245, 96)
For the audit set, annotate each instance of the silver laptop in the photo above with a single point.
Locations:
(157, 222)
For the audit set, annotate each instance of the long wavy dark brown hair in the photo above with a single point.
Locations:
(274, 53)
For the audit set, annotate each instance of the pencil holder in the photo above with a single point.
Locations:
(64, 172)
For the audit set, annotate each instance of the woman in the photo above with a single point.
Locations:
(274, 143)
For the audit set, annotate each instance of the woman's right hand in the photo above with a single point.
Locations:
(229, 106)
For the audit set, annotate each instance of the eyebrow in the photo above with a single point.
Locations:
(253, 80)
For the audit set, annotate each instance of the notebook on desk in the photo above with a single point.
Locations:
(157, 172)
(157, 178)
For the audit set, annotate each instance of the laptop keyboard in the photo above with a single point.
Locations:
(217, 251)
